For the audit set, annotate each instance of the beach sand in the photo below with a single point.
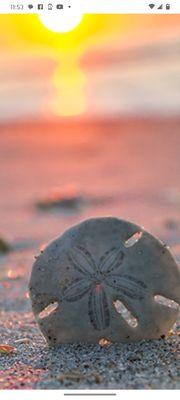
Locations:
(125, 168)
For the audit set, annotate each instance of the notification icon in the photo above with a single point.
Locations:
(50, 6)
(60, 6)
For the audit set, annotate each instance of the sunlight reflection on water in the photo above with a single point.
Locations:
(68, 82)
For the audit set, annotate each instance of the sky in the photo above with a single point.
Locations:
(27, 33)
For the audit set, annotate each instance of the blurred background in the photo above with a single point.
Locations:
(89, 126)
(109, 65)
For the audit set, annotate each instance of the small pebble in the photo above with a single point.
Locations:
(4, 246)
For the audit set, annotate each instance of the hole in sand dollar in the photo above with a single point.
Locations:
(166, 302)
(132, 240)
(104, 342)
(48, 310)
(125, 313)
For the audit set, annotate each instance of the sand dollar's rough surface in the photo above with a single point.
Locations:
(102, 279)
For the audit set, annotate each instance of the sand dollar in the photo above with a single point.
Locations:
(105, 278)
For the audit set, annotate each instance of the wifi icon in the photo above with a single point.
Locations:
(151, 6)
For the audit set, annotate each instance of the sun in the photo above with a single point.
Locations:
(61, 23)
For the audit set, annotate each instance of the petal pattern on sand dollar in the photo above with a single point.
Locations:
(82, 261)
(76, 289)
(128, 286)
(96, 277)
(111, 260)
(98, 308)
